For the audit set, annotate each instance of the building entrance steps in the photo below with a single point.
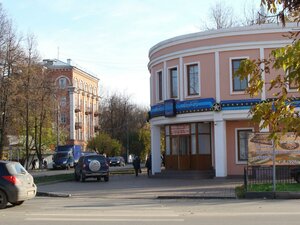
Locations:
(185, 174)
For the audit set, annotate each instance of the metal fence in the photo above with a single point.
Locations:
(264, 175)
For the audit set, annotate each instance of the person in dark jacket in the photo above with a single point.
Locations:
(136, 165)
(148, 164)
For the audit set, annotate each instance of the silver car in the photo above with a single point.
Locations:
(16, 184)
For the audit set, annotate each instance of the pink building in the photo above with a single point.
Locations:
(197, 103)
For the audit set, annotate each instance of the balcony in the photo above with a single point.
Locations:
(77, 109)
(78, 125)
(88, 111)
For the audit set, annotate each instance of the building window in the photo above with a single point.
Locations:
(63, 101)
(193, 79)
(204, 139)
(237, 83)
(63, 118)
(293, 86)
(159, 80)
(242, 144)
(62, 82)
(173, 83)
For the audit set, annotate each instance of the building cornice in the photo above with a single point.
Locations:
(235, 31)
(219, 48)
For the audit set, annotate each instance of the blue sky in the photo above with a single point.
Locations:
(110, 38)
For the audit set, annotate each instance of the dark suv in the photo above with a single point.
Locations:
(94, 166)
(16, 184)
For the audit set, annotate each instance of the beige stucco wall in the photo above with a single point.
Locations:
(225, 78)
(233, 167)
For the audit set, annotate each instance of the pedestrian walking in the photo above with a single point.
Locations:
(33, 164)
(148, 164)
(137, 165)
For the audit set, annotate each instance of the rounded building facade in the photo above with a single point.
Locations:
(198, 105)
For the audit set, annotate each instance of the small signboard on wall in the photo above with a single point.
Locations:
(260, 150)
(180, 129)
(170, 108)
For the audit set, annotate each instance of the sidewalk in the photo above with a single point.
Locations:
(128, 186)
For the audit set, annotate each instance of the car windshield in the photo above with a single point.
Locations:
(15, 168)
(95, 157)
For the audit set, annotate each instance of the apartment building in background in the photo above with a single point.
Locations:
(77, 101)
(197, 103)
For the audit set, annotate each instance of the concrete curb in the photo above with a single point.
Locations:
(195, 197)
(49, 194)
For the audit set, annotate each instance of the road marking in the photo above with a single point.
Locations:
(106, 214)
(103, 219)
(230, 214)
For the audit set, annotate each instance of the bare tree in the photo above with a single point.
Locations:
(220, 16)
(121, 119)
(10, 56)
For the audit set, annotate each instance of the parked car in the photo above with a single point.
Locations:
(16, 184)
(117, 161)
(92, 166)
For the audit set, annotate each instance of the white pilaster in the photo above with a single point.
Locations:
(83, 119)
(72, 113)
(165, 81)
(181, 79)
(217, 71)
(152, 90)
(262, 67)
(220, 146)
(155, 149)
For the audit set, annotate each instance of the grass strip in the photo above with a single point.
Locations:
(70, 176)
(280, 187)
(295, 187)
(54, 178)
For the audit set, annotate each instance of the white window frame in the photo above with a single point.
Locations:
(62, 82)
(290, 90)
(186, 80)
(157, 86)
(169, 82)
(236, 144)
(232, 92)
(63, 118)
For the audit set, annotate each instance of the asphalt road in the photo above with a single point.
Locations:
(92, 211)
(130, 200)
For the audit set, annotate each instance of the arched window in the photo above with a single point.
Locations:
(62, 82)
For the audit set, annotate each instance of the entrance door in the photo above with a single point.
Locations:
(180, 153)
(184, 156)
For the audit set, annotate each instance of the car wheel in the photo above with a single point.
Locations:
(17, 203)
(297, 177)
(3, 200)
(82, 178)
(106, 178)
